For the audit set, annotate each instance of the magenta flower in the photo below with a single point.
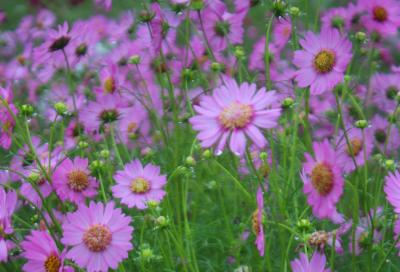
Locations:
(222, 27)
(380, 125)
(7, 122)
(8, 202)
(316, 264)
(358, 143)
(323, 181)
(72, 180)
(383, 16)
(100, 236)
(385, 88)
(235, 112)
(55, 43)
(323, 60)
(136, 185)
(336, 18)
(392, 190)
(260, 240)
(106, 4)
(42, 254)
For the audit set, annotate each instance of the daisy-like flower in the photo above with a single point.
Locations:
(323, 60)
(8, 202)
(323, 181)
(358, 143)
(222, 27)
(336, 18)
(258, 224)
(392, 190)
(72, 180)
(383, 16)
(380, 128)
(100, 236)
(106, 4)
(7, 122)
(385, 89)
(316, 264)
(105, 110)
(235, 112)
(42, 254)
(55, 43)
(136, 185)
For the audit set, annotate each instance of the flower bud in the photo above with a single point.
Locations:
(217, 67)
(287, 102)
(105, 154)
(83, 145)
(152, 204)
(390, 165)
(162, 221)
(361, 124)
(239, 53)
(279, 8)
(294, 11)
(146, 16)
(33, 177)
(27, 110)
(190, 161)
(135, 59)
(207, 154)
(61, 108)
(264, 156)
(197, 4)
(361, 36)
(304, 225)
(96, 166)
(392, 118)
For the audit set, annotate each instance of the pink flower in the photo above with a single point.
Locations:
(281, 32)
(235, 112)
(8, 202)
(323, 181)
(72, 180)
(380, 125)
(7, 122)
(42, 254)
(336, 18)
(100, 236)
(51, 49)
(136, 185)
(260, 241)
(383, 16)
(222, 27)
(385, 88)
(358, 143)
(392, 190)
(323, 60)
(317, 263)
(106, 4)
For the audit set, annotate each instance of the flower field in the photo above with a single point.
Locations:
(199, 135)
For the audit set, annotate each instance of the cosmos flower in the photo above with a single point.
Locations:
(99, 236)
(42, 254)
(382, 16)
(72, 180)
(392, 190)
(235, 112)
(106, 4)
(358, 143)
(258, 223)
(52, 48)
(223, 28)
(7, 122)
(8, 202)
(323, 60)
(380, 126)
(323, 181)
(316, 264)
(136, 185)
(385, 88)
(335, 18)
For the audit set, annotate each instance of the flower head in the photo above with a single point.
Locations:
(323, 60)
(136, 185)
(323, 181)
(72, 180)
(235, 112)
(99, 236)
(316, 264)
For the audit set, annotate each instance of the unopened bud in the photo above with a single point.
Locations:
(361, 124)
(61, 108)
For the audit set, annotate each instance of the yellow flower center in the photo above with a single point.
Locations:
(255, 222)
(324, 61)
(236, 115)
(78, 180)
(140, 186)
(356, 146)
(109, 85)
(132, 127)
(52, 264)
(97, 238)
(322, 179)
(380, 14)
